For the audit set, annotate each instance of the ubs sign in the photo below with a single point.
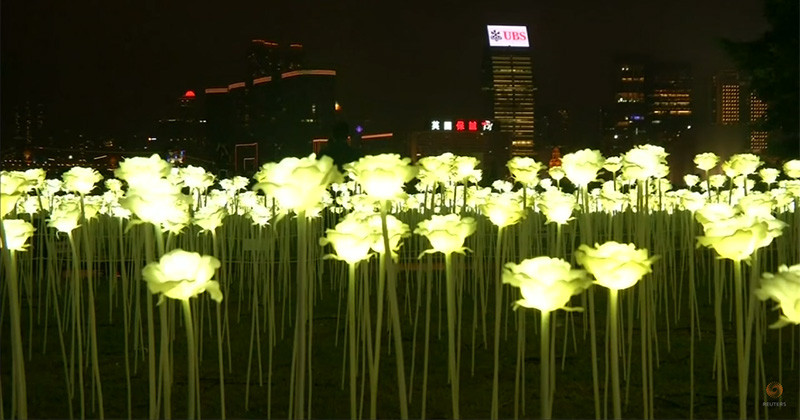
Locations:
(507, 36)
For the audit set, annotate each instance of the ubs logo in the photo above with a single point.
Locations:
(495, 36)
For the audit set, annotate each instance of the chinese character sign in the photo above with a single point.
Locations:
(435, 125)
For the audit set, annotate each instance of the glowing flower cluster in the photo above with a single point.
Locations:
(525, 170)
(81, 180)
(735, 233)
(182, 275)
(545, 283)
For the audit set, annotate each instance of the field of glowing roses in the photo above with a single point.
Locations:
(394, 289)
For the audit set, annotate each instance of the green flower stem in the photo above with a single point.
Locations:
(586, 237)
(373, 382)
(301, 319)
(740, 362)
(351, 326)
(451, 315)
(428, 287)
(395, 313)
(77, 332)
(191, 356)
(613, 321)
(215, 248)
(151, 347)
(19, 387)
(544, 366)
(498, 292)
(692, 315)
(718, 349)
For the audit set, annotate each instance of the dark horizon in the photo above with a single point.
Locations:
(110, 69)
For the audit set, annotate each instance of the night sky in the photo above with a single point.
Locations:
(110, 67)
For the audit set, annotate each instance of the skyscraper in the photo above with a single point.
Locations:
(625, 122)
(508, 83)
(738, 108)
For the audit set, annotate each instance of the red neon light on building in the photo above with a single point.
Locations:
(459, 125)
(473, 126)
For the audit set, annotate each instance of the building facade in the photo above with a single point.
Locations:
(652, 104)
(508, 85)
(738, 110)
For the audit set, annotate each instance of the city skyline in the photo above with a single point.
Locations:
(116, 68)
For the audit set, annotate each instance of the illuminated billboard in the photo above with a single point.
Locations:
(507, 36)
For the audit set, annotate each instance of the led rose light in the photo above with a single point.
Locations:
(615, 266)
(784, 288)
(81, 180)
(706, 161)
(546, 283)
(383, 177)
(525, 170)
(446, 235)
(140, 171)
(297, 184)
(557, 206)
(503, 209)
(582, 166)
(645, 161)
(183, 275)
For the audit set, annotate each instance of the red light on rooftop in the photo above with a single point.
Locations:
(189, 94)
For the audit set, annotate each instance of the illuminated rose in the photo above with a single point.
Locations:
(17, 233)
(756, 204)
(745, 163)
(160, 203)
(784, 288)
(792, 168)
(557, 173)
(717, 180)
(464, 169)
(35, 177)
(612, 201)
(435, 170)
(503, 209)
(396, 229)
(735, 238)
(382, 177)
(234, 184)
(196, 177)
(582, 166)
(769, 175)
(139, 171)
(182, 275)
(691, 180)
(557, 207)
(645, 161)
(706, 161)
(209, 217)
(297, 184)
(615, 265)
(525, 170)
(545, 283)
(351, 238)
(613, 164)
(81, 180)
(692, 201)
(446, 233)
(66, 215)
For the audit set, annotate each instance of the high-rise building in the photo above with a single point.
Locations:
(509, 85)
(267, 58)
(738, 108)
(669, 103)
(625, 118)
(278, 113)
(652, 104)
